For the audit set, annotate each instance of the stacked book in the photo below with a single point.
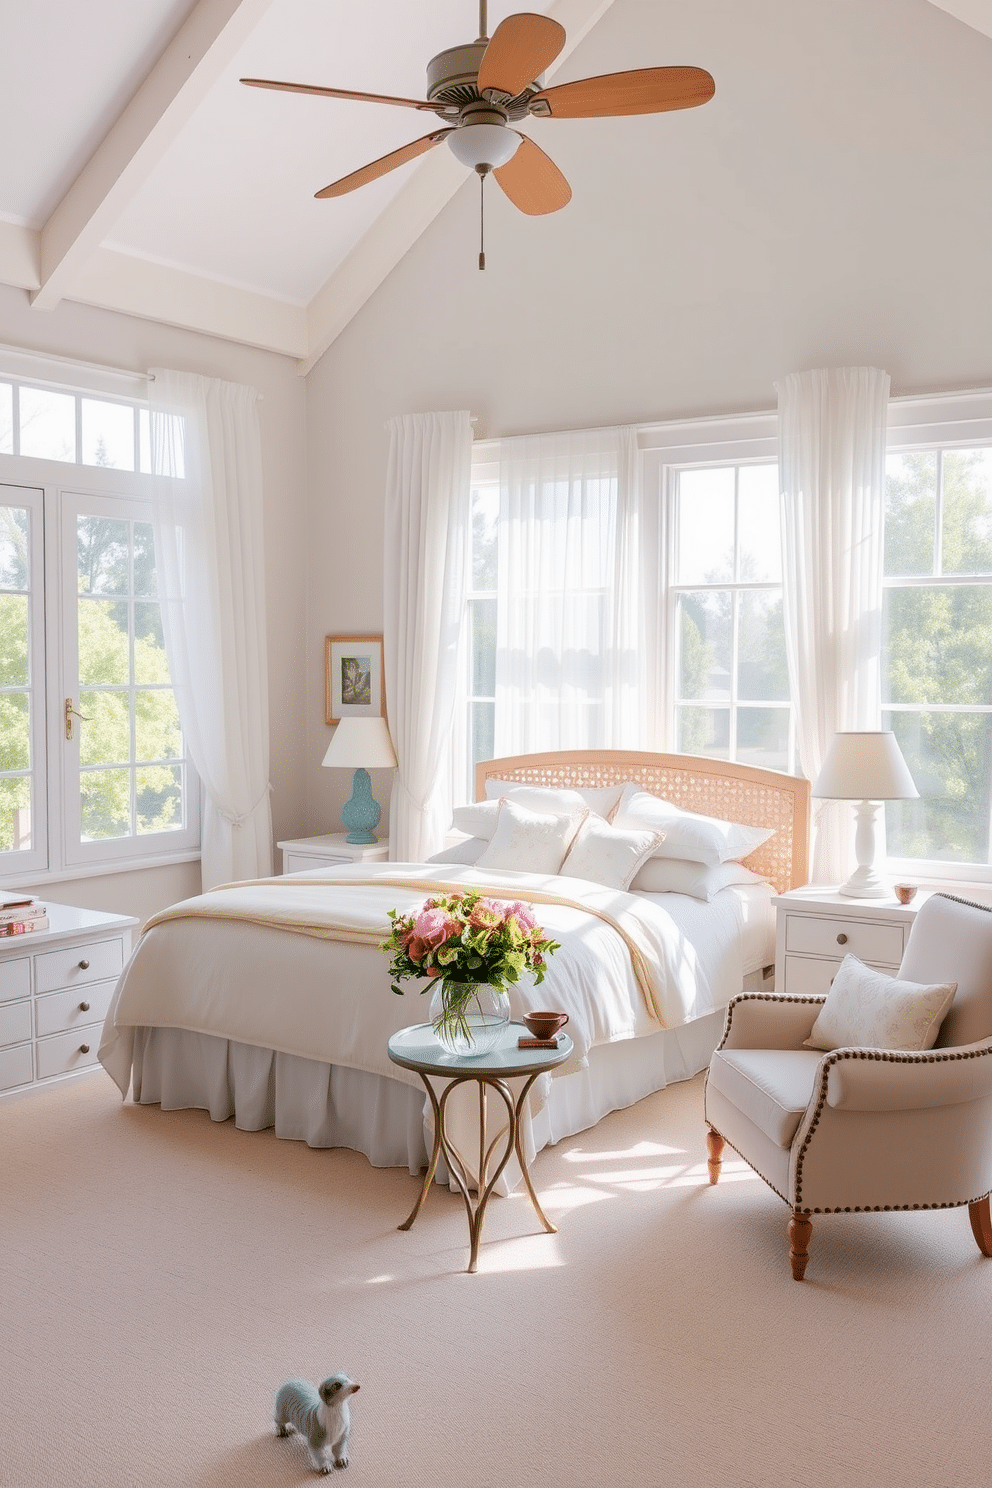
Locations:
(21, 916)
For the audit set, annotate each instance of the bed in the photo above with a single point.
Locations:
(263, 1003)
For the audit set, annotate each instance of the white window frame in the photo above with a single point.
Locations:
(946, 421)
(55, 858)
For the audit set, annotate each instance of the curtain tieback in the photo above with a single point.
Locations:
(239, 821)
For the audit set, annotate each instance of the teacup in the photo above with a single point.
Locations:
(545, 1025)
(905, 892)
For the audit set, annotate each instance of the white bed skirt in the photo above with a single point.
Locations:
(334, 1106)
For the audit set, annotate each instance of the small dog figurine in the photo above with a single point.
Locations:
(321, 1417)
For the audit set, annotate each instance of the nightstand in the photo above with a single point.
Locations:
(301, 854)
(816, 928)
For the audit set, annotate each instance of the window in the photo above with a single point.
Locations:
(93, 765)
(731, 675)
(937, 649)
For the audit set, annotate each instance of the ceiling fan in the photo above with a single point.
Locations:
(477, 90)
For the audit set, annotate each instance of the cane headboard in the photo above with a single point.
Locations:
(740, 793)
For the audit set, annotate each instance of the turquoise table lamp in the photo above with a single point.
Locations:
(361, 744)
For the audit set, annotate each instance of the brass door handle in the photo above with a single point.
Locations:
(70, 713)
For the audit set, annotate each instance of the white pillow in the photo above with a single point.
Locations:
(599, 798)
(703, 839)
(870, 1010)
(683, 876)
(466, 851)
(606, 855)
(529, 841)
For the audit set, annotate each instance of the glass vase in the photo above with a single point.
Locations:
(468, 1017)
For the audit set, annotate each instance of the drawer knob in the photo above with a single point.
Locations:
(84, 1048)
(85, 965)
(842, 939)
(84, 1007)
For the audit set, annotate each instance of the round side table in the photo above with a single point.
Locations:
(417, 1049)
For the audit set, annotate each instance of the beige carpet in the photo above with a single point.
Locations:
(161, 1276)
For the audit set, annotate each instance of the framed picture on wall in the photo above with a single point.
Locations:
(353, 677)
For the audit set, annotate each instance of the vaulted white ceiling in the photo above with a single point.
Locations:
(139, 175)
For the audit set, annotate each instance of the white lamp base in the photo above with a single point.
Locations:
(866, 882)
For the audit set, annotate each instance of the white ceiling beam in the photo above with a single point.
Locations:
(975, 13)
(191, 63)
(153, 291)
(20, 256)
(429, 188)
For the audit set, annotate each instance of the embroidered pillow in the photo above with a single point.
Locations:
(703, 839)
(606, 855)
(599, 798)
(683, 876)
(529, 841)
(867, 1009)
(478, 818)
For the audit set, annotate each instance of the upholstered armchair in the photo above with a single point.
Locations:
(858, 1128)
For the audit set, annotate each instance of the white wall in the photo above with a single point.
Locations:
(830, 206)
(121, 341)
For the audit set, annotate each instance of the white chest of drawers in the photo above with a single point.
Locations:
(816, 928)
(55, 988)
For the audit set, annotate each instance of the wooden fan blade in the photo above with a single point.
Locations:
(414, 103)
(532, 181)
(521, 47)
(383, 165)
(647, 90)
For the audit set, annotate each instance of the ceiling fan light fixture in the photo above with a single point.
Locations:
(488, 145)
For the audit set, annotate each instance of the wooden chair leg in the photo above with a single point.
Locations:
(800, 1229)
(714, 1148)
(981, 1224)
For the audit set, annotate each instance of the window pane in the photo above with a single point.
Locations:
(483, 734)
(48, 424)
(705, 639)
(150, 663)
(105, 804)
(144, 559)
(758, 524)
(966, 519)
(15, 731)
(14, 537)
(103, 553)
(483, 619)
(6, 419)
(159, 798)
(763, 737)
(704, 731)
(950, 758)
(105, 736)
(108, 434)
(104, 656)
(705, 516)
(13, 640)
(15, 814)
(144, 441)
(485, 537)
(910, 513)
(762, 669)
(157, 735)
(937, 644)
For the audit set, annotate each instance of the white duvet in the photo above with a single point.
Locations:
(210, 964)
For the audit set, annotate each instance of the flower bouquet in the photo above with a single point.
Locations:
(460, 942)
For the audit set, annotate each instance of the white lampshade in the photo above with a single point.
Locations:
(483, 144)
(361, 743)
(865, 766)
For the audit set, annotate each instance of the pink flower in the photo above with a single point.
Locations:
(523, 914)
(432, 926)
(487, 915)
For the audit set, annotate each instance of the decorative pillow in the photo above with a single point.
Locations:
(466, 851)
(529, 841)
(867, 1009)
(606, 855)
(599, 798)
(703, 839)
(683, 876)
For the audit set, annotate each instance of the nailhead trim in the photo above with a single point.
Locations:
(814, 998)
(882, 1056)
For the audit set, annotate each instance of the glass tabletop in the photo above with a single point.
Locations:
(417, 1048)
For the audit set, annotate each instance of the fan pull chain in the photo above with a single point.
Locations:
(482, 219)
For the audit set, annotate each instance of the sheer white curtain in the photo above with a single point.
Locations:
(428, 528)
(568, 604)
(206, 462)
(832, 426)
